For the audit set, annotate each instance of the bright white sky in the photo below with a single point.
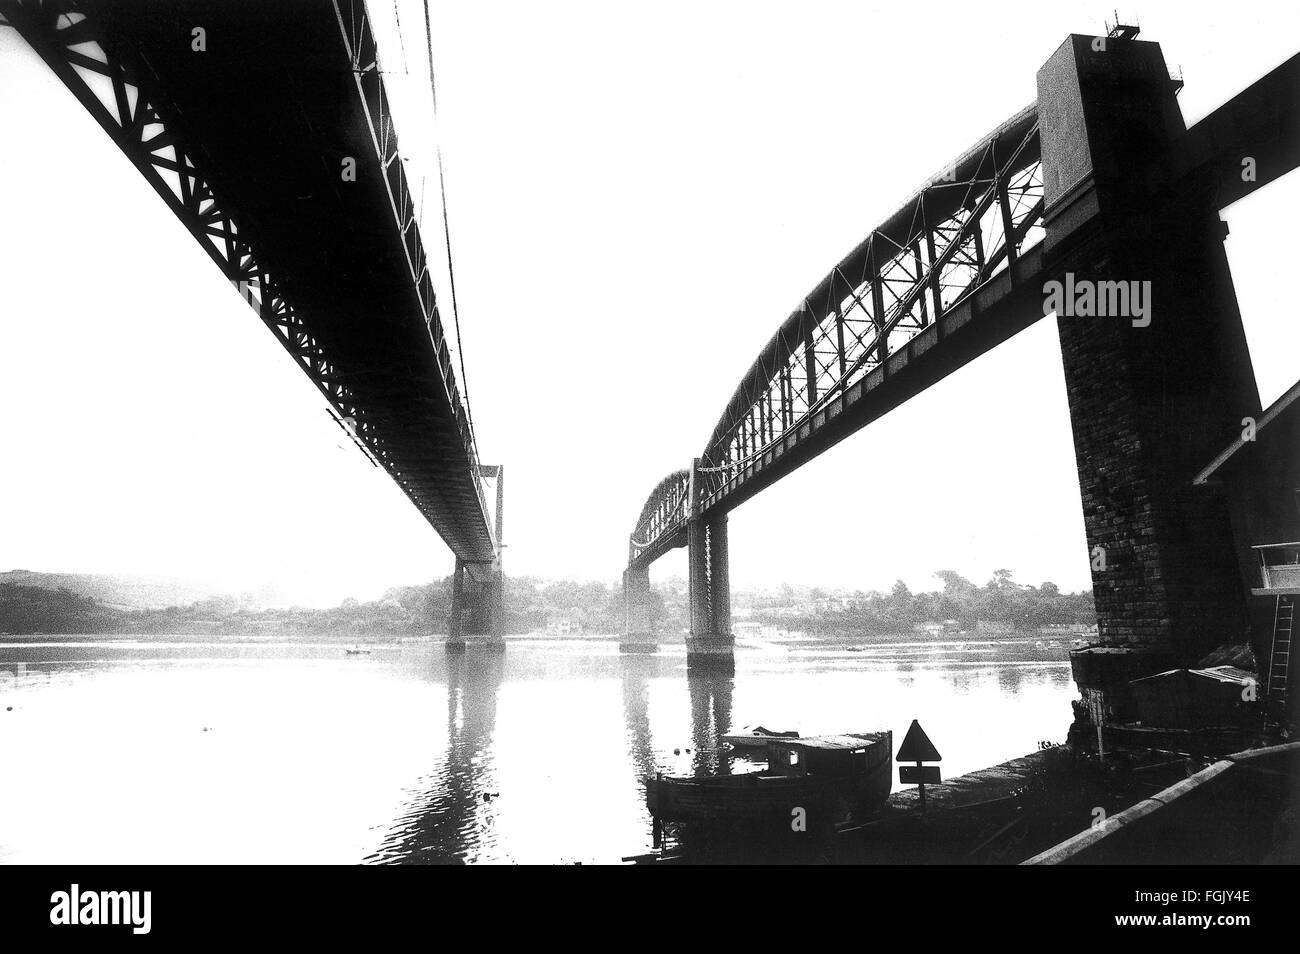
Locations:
(638, 194)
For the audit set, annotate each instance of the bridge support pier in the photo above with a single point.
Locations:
(638, 627)
(478, 589)
(1154, 391)
(711, 644)
(455, 642)
(477, 608)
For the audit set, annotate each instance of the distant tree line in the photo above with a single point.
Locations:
(1001, 600)
(532, 605)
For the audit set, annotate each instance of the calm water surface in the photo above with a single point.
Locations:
(148, 752)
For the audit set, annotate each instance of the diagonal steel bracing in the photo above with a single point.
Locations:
(955, 271)
(243, 141)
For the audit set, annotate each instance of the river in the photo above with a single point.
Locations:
(133, 751)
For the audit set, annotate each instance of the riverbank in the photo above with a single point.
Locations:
(1061, 805)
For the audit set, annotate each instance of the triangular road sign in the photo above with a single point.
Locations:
(917, 746)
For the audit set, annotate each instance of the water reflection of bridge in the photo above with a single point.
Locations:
(446, 813)
(450, 801)
(666, 726)
(710, 703)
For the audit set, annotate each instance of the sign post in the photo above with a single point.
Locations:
(918, 748)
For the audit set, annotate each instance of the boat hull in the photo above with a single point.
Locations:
(767, 800)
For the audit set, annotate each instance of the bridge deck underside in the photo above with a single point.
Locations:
(270, 111)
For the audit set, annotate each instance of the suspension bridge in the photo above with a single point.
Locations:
(268, 132)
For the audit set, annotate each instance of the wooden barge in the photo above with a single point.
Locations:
(820, 782)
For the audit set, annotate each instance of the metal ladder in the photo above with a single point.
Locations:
(1280, 657)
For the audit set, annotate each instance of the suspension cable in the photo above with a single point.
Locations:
(406, 70)
(446, 226)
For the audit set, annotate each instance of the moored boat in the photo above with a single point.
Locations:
(756, 738)
(832, 779)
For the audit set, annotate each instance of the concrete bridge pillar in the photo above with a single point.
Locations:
(1156, 390)
(477, 607)
(478, 590)
(711, 643)
(494, 612)
(455, 642)
(638, 628)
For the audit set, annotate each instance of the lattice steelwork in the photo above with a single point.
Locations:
(881, 295)
(89, 46)
(663, 516)
(961, 229)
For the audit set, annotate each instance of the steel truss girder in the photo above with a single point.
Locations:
(1261, 122)
(940, 241)
(131, 111)
(811, 360)
(661, 525)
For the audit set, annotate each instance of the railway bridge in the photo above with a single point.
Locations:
(1098, 204)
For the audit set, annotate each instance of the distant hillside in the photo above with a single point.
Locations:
(34, 603)
(118, 592)
(32, 609)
